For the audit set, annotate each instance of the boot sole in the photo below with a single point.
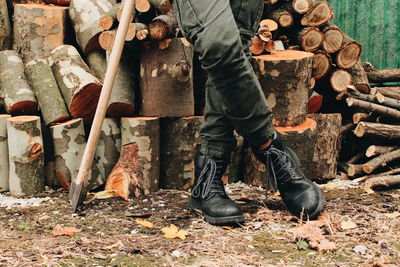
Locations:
(238, 219)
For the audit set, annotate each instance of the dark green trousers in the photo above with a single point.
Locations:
(221, 32)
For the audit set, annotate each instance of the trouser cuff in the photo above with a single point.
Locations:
(261, 136)
(219, 150)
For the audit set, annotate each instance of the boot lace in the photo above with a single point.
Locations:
(209, 181)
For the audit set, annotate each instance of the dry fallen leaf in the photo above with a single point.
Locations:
(313, 234)
(144, 223)
(173, 232)
(347, 225)
(59, 230)
(324, 245)
(102, 195)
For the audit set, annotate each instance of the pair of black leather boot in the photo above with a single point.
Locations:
(302, 197)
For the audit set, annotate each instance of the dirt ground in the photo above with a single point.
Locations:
(364, 228)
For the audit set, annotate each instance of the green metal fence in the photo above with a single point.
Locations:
(375, 24)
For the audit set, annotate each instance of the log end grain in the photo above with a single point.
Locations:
(24, 107)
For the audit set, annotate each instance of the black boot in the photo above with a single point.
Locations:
(208, 194)
(302, 197)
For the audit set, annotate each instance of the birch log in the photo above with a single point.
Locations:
(45, 86)
(5, 27)
(26, 155)
(17, 95)
(4, 163)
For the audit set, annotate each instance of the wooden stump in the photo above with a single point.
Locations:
(5, 28)
(85, 16)
(180, 141)
(69, 145)
(45, 86)
(167, 79)
(285, 79)
(122, 99)
(108, 147)
(79, 87)
(38, 29)
(17, 95)
(26, 155)
(4, 162)
(138, 168)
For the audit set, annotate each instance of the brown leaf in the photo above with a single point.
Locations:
(144, 223)
(173, 232)
(324, 245)
(59, 231)
(313, 234)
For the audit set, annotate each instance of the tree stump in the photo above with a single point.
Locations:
(137, 171)
(180, 141)
(48, 94)
(285, 79)
(108, 147)
(4, 162)
(79, 87)
(167, 79)
(69, 145)
(26, 155)
(122, 99)
(17, 95)
(85, 16)
(5, 27)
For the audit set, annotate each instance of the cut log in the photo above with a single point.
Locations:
(317, 15)
(285, 79)
(359, 116)
(163, 26)
(107, 38)
(322, 65)
(38, 29)
(5, 27)
(387, 101)
(4, 161)
(298, 6)
(108, 147)
(381, 161)
(383, 181)
(85, 16)
(264, 34)
(368, 106)
(315, 102)
(360, 79)
(310, 39)
(180, 141)
(257, 46)
(26, 155)
(381, 75)
(333, 38)
(138, 168)
(58, 2)
(378, 150)
(69, 144)
(349, 54)
(392, 92)
(283, 17)
(17, 95)
(355, 169)
(142, 5)
(340, 80)
(272, 25)
(79, 87)
(163, 5)
(119, 12)
(48, 94)
(167, 79)
(109, 20)
(364, 178)
(122, 99)
(142, 31)
(378, 129)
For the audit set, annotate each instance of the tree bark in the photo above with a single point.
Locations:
(79, 87)
(378, 129)
(137, 171)
(349, 54)
(390, 112)
(16, 92)
(383, 181)
(163, 5)
(122, 99)
(44, 85)
(26, 155)
(38, 29)
(360, 79)
(167, 79)
(310, 38)
(355, 169)
(317, 15)
(163, 26)
(322, 65)
(285, 79)
(69, 145)
(180, 141)
(381, 161)
(340, 80)
(392, 92)
(4, 162)
(85, 16)
(378, 150)
(333, 38)
(5, 27)
(283, 17)
(381, 75)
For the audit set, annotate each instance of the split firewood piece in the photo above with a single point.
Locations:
(257, 46)
(333, 38)
(16, 93)
(58, 2)
(48, 94)
(284, 77)
(180, 141)
(85, 16)
(142, 5)
(69, 144)
(272, 25)
(355, 169)
(110, 19)
(340, 80)
(360, 79)
(366, 177)
(381, 161)
(122, 99)
(315, 102)
(298, 6)
(310, 38)
(378, 150)
(349, 54)
(163, 5)
(353, 102)
(318, 14)
(381, 75)
(108, 147)
(79, 87)
(282, 17)
(107, 38)
(392, 92)
(389, 180)
(142, 31)
(38, 29)
(163, 26)
(4, 162)
(167, 79)
(26, 155)
(322, 64)
(138, 168)
(5, 27)
(378, 129)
